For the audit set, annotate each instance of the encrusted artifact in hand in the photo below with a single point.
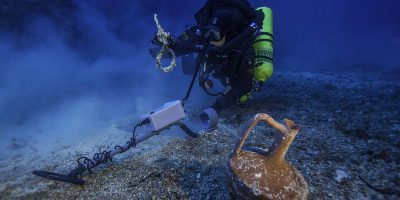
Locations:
(165, 39)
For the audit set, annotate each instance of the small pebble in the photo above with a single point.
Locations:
(341, 175)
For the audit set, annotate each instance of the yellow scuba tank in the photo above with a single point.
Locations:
(263, 45)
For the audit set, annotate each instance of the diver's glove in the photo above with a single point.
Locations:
(156, 40)
(155, 50)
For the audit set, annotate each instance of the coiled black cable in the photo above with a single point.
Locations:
(88, 164)
(132, 142)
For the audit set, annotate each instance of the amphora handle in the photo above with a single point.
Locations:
(289, 131)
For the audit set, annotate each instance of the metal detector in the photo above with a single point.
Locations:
(165, 117)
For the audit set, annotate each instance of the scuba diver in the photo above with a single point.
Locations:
(225, 35)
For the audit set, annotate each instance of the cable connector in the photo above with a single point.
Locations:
(144, 122)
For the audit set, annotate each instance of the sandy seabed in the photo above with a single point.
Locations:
(350, 126)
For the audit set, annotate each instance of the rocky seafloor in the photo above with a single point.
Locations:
(348, 146)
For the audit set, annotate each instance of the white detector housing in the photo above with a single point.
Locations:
(167, 114)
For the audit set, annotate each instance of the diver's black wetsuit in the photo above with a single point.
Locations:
(233, 62)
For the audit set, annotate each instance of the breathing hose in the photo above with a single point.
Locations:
(201, 60)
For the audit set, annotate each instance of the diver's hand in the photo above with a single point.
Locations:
(157, 41)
